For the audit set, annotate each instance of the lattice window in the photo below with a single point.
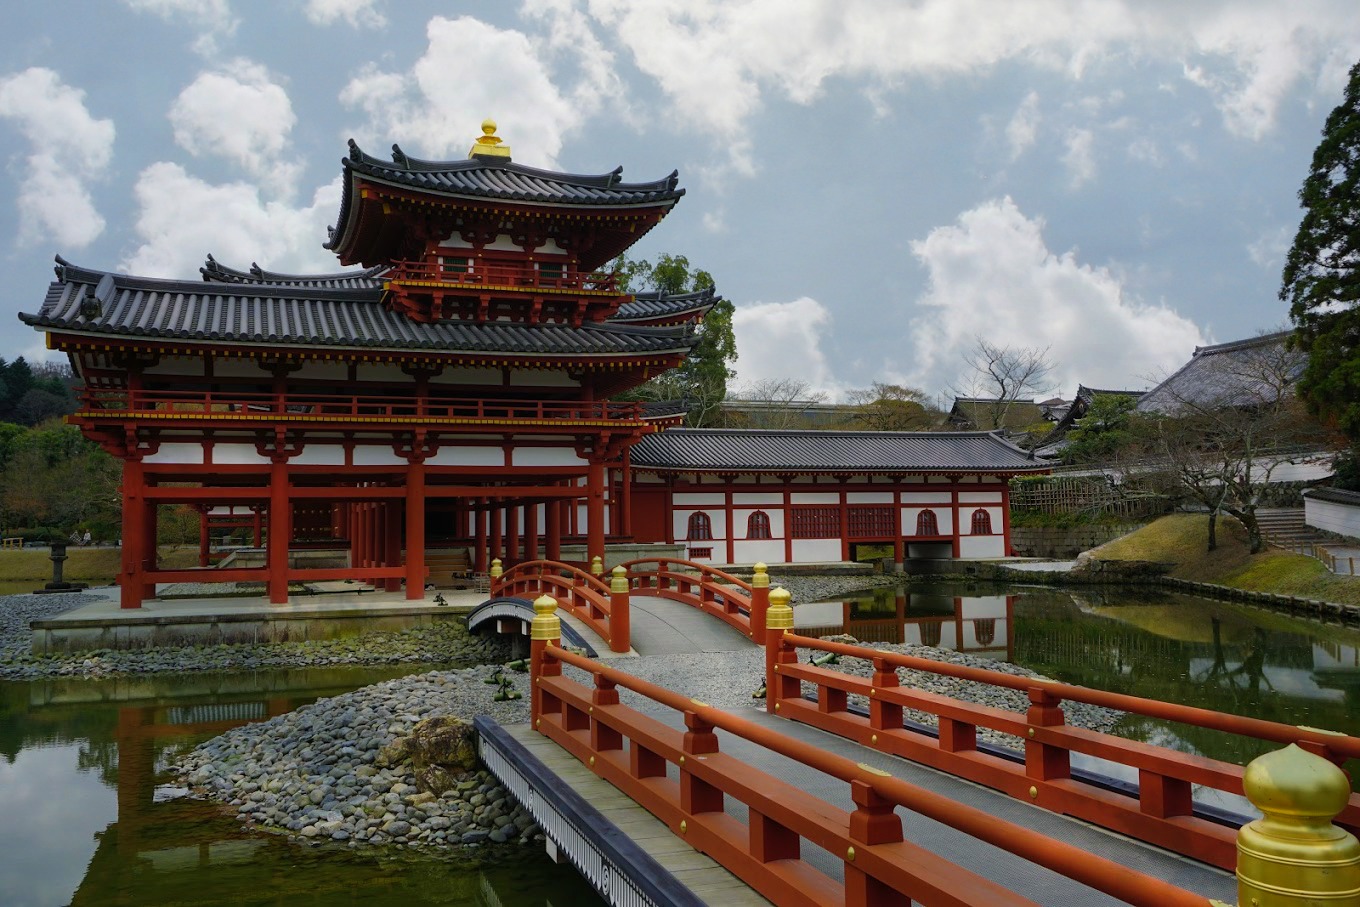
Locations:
(926, 523)
(453, 264)
(700, 552)
(982, 522)
(758, 525)
(700, 528)
(816, 522)
(551, 272)
(872, 522)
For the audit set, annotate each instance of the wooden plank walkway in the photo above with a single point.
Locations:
(696, 871)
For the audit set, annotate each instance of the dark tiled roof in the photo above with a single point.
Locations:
(214, 271)
(311, 316)
(500, 180)
(753, 450)
(1242, 373)
(664, 409)
(979, 412)
(656, 305)
(1333, 495)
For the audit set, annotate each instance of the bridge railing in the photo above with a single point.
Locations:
(600, 605)
(764, 851)
(729, 598)
(1161, 813)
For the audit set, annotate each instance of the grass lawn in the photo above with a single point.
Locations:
(1182, 539)
(89, 565)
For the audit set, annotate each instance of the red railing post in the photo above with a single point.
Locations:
(874, 821)
(546, 630)
(619, 620)
(884, 716)
(1044, 762)
(602, 736)
(778, 619)
(697, 795)
(760, 603)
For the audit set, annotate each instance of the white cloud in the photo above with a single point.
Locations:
(1080, 157)
(68, 149)
(992, 275)
(1269, 249)
(783, 340)
(356, 13)
(182, 219)
(722, 57)
(471, 70)
(1023, 128)
(239, 113)
(209, 15)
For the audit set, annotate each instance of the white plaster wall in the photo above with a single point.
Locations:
(979, 497)
(869, 497)
(926, 497)
(771, 551)
(377, 455)
(461, 456)
(982, 546)
(227, 454)
(948, 638)
(971, 640)
(740, 519)
(545, 456)
(808, 550)
(944, 519)
(812, 497)
(317, 455)
(699, 500)
(178, 453)
(761, 500)
(1333, 517)
(381, 371)
(985, 606)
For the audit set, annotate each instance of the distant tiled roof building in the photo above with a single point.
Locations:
(1242, 373)
(989, 414)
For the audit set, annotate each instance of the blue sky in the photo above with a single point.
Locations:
(874, 184)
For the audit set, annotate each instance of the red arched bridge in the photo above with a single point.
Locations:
(798, 804)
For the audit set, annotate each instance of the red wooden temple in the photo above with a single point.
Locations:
(457, 388)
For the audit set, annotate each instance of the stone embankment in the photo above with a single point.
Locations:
(446, 642)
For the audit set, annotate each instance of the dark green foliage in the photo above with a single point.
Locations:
(701, 381)
(1346, 470)
(1108, 427)
(1321, 280)
(51, 476)
(31, 395)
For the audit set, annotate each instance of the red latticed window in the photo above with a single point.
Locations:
(816, 522)
(701, 552)
(926, 524)
(872, 523)
(700, 528)
(758, 525)
(982, 522)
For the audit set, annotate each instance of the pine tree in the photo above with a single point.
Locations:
(1321, 280)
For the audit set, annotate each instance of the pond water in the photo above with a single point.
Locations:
(82, 826)
(82, 759)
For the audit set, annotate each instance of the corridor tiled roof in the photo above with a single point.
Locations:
(214, 271)
(655, 304)
(753, 450)
(92, 302)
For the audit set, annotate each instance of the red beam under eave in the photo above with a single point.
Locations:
(219, 494)
(396, 470)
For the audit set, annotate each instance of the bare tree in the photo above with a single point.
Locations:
(779, 403)
(891, 407)
(1004, 375)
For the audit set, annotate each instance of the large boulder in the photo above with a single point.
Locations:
(441, 751)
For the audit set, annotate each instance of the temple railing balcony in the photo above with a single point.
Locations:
(218, 408)
(509, 277)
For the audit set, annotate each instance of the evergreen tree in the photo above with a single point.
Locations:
(1321, 280)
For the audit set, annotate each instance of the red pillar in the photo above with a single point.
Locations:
(415, 530)
(257, 520)
(280, 531)
(531, 531)
(958, 530)
(204, 542)
(134, 535)
(845, 526)
(150, 555)
(553, 517)
(480, 562)
(730, 522)
(511, 535)
(494, 515)
(391, 531)
(626, 497)
(595, 510)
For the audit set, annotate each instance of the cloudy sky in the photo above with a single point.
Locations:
(875, 184)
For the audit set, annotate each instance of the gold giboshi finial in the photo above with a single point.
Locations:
(489, 145)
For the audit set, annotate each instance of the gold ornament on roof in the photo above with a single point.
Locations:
(489, 145)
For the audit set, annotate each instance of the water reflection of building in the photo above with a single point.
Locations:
(978, 624)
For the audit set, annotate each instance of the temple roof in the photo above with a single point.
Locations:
(101, 303)
(1242, 373)
(657, 305)
(214, 271)
(755, 450)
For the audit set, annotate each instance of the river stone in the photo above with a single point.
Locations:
(442, 749)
